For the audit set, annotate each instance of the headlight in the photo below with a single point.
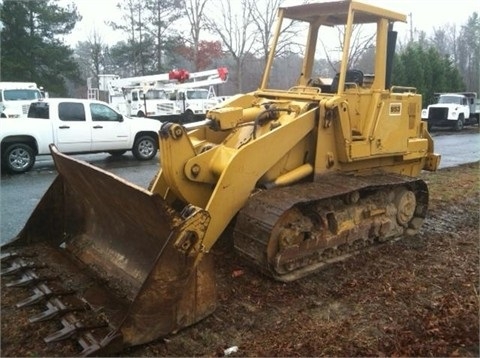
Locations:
(424, 113)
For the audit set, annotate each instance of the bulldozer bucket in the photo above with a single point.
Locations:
(114, 263)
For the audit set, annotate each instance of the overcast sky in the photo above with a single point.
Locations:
(425, 15)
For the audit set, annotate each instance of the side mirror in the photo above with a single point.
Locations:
(120, 118)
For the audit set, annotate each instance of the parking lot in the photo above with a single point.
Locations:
(19, 194)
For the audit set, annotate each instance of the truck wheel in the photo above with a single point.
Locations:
(459, 123)
(145, 147)
(18, 158)
(116, 153)
(189, 116)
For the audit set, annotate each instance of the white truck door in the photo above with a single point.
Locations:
(137, 104)
(467, 107)
(182, 101)
(109, 129)
(72, 131)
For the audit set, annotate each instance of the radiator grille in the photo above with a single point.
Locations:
(438, 113)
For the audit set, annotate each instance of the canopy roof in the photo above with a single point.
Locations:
(336, 13)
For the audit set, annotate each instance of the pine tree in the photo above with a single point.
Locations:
(32, 49)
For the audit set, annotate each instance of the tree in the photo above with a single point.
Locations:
(195, 11)
(360, 42)
(162, 16)
(444, 40)
(235, 30)
(133, 24)
(91, 55)
(264, 16)
(427, 70)
(203, 55)
(469, 52)
(366, 62)
(32, 49)
(462, 48)
(151, 37)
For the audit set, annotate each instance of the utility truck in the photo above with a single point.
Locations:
(15, 98)
(453, 110)
(178, 95)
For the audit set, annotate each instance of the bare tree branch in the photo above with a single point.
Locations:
(359, 44)
(234, 27)
(195, 11)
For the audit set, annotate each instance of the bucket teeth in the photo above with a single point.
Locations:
(55, 308)
(41, 293)
(17, 267)
(67, 331)
(89, 344)
(8, 256)
(71, 327)
(28, 278)
(62, 303)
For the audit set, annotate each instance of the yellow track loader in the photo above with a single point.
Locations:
(308, 175)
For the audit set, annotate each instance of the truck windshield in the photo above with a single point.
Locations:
(197, 94)
(155, 94)
(21, 94)
(450, 99)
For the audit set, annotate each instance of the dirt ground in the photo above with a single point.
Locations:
(417, 296)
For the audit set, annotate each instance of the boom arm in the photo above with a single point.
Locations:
(174, 79)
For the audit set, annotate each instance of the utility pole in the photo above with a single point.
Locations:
(1, 29)
(411, 26)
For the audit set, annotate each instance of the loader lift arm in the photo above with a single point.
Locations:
(223, 194)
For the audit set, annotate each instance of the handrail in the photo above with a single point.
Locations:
(306, 89)
(401, 89)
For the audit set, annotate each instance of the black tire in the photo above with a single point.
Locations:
(140, 114)
(18, 158)
(459, 123)
(117, 153)
(188, 116)
(145, 147)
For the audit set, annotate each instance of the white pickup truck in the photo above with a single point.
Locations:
(75, 126)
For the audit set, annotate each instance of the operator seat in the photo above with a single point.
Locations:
(352, 76)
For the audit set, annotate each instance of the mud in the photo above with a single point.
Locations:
(416, 296)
